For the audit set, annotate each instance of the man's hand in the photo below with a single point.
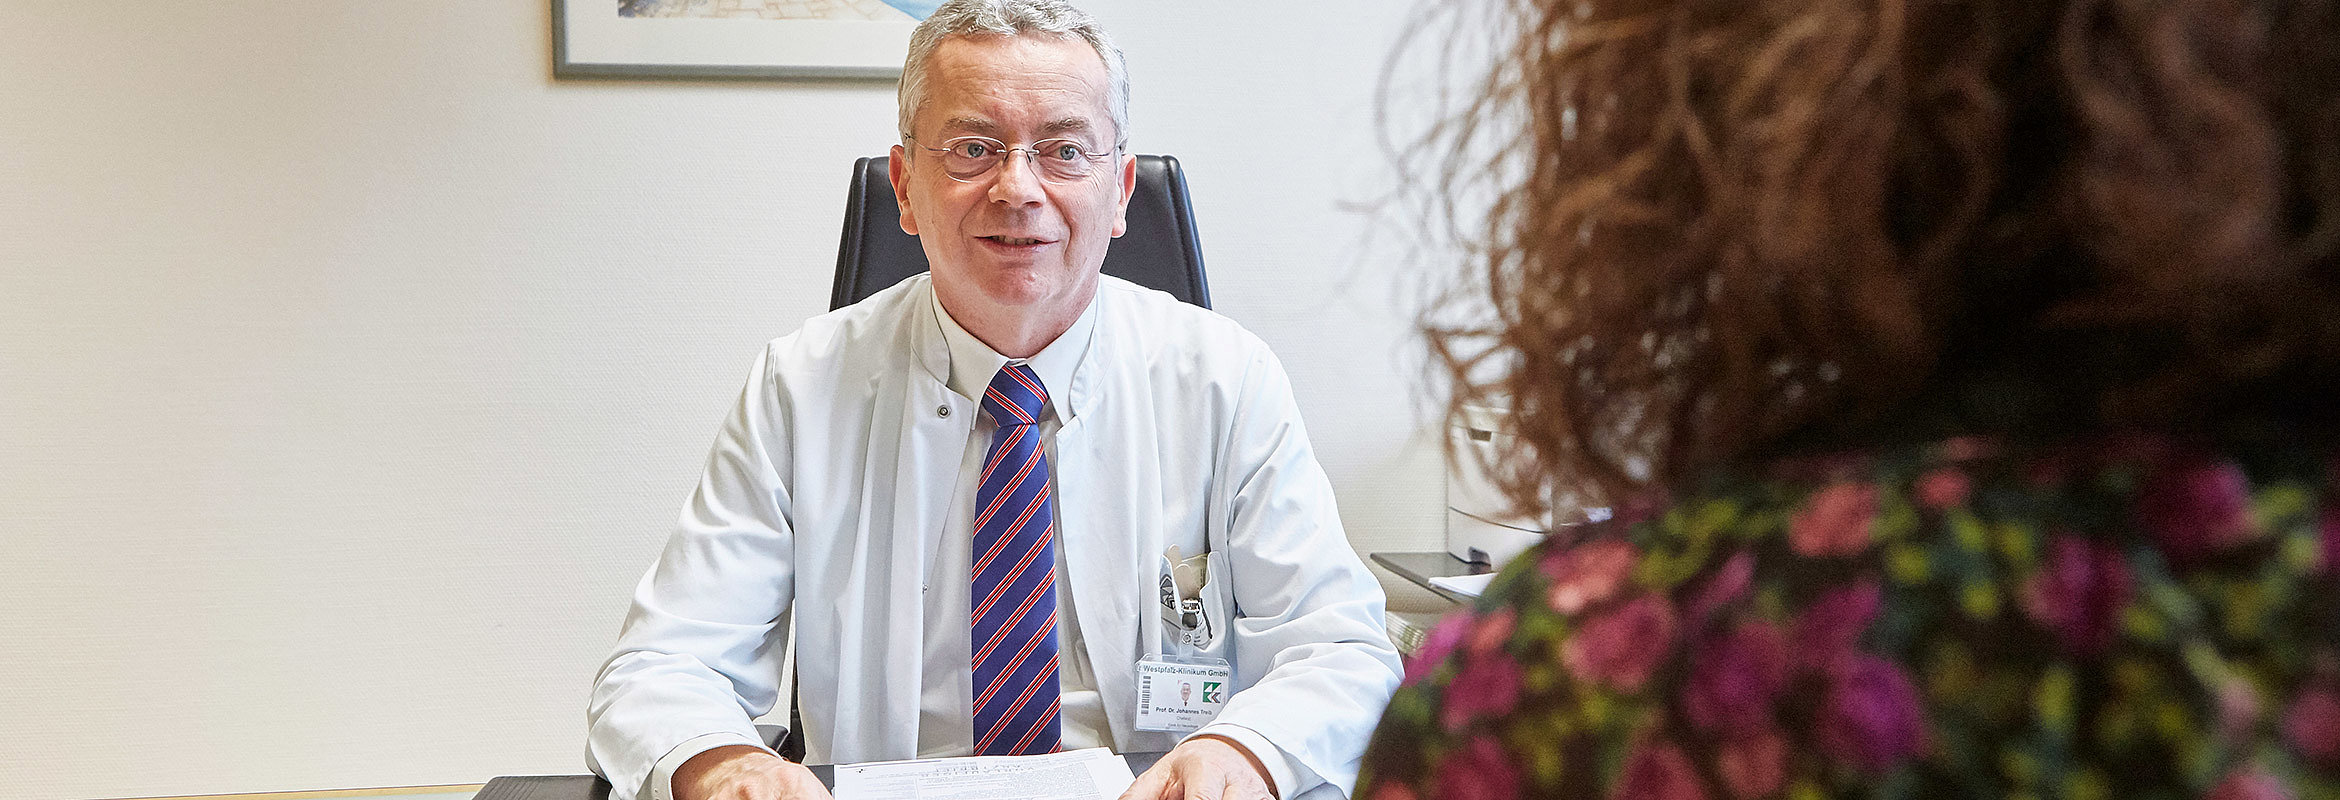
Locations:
(739, 772)
(1204, 768)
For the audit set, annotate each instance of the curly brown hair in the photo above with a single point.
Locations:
(1735, 229)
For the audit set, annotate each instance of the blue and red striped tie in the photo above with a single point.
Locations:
(1014, 597)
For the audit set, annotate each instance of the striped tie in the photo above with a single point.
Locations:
(1014, 596)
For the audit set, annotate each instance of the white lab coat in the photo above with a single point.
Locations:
(828, 483)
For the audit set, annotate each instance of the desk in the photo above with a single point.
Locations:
(589, 787)
(1421, 567)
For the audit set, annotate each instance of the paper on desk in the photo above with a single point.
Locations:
(1473, 585)
(1091, 774)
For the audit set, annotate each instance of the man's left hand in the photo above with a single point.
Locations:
(1204, 768)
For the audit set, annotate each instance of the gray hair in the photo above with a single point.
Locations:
(1013, 18)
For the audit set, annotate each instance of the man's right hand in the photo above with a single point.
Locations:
(739, 772)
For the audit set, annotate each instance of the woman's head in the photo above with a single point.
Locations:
(1737, 225)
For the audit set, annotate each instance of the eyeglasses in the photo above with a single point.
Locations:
(968, 158)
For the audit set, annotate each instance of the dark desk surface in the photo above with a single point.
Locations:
(589, 787)
(1421, 567)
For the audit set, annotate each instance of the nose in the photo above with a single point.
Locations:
(1016, 181)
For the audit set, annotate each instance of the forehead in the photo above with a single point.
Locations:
(1012, 85)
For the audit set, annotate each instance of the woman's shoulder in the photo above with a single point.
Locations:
(1967, 616)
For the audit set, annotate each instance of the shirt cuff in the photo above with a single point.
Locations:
(1279, 768)
(662, 775)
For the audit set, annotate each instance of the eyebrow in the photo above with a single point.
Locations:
(1067, 125)
(976, 124)
(1049, 130)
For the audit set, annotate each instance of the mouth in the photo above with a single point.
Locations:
(1014, 241)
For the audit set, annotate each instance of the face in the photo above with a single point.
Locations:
(1009, 245)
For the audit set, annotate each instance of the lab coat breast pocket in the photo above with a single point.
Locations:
(1197, 627)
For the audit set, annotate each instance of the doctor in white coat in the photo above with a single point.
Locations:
(840, 493)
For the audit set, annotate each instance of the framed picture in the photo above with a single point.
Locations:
(733, 38)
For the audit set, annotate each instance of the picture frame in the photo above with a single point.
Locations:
(593, 39)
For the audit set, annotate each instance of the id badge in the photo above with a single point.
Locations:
(1180, 694)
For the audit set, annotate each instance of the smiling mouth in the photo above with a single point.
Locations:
(1015, 240)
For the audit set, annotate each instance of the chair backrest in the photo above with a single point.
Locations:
(1159, 251)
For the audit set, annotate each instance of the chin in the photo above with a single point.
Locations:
(1025, 286)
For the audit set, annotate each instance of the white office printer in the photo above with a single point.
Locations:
(1479, 526)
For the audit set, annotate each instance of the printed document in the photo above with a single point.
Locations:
(1091, 774)
(1473, 585)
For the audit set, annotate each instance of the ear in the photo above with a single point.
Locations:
(1128, 187)
(898, 172)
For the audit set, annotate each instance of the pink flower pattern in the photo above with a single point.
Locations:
(1659, 772)
(1729, 585)
(2312, 725)
(1871, 719)
(1835, 521)
(1943, 488)
(1735, 678)
(1754, 765)
(1828, 630)
(2079, 592)
(1618, 649)
(1588, 573)
(1480, 770)
(2197, 508)
(1485, 687)
(1492, 631)
(2249, 783)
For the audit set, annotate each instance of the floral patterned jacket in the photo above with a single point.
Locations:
(2130, 618)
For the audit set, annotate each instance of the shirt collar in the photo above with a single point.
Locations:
(974, 364)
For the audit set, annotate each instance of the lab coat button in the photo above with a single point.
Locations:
(942, 411)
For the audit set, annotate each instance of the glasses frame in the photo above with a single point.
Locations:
(1031, 153)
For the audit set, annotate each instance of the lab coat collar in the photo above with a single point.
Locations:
(973, 364)
(929, 345)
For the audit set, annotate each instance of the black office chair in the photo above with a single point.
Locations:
(1159, 251)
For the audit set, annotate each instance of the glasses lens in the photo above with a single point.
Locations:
(968, 157)
(1061, 160)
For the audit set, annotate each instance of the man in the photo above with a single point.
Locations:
(1000, 500)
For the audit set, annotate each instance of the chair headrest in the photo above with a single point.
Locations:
(1160, 249)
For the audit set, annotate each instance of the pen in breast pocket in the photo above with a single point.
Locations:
(1187, 573)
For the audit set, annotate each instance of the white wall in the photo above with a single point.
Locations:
(351, 369)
